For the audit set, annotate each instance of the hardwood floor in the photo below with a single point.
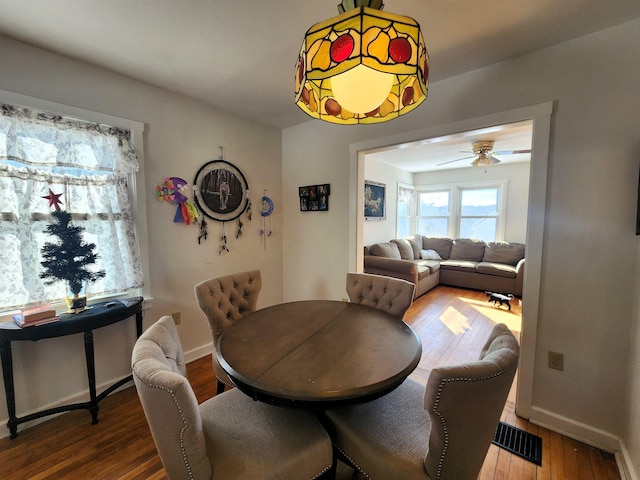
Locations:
(452, 324)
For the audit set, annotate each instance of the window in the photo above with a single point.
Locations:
(434, 214)
(405, 210)
(467, 211)
(479, 213)
(94, 167)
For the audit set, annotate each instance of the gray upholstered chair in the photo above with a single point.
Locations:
(442, 432)
(392, 295)
(225, 300)
(228, 436)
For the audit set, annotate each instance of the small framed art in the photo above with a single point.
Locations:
(374, 200)
(314, 198)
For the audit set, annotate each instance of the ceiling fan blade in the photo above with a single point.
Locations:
(452, 161)
(511, 152)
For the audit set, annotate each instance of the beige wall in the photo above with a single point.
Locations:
(181, 135)
(590, 245)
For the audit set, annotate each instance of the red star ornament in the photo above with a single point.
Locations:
(54, 199)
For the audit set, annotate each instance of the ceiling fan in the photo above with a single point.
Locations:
(484, 155)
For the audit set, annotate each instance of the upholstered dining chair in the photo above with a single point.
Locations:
(225, 300)
(393, 295)
(229, 435)
(442, 432)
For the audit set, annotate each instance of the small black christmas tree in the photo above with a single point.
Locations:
(67, 259)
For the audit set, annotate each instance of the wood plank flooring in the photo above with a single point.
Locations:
(452, 323)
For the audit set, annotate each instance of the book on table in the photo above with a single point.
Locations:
(36, 315)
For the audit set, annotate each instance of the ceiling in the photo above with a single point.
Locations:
(429, 154)
(239, 55)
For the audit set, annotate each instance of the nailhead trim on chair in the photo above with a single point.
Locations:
(325, 470)
(444, 424)
(351, 461)
(184, 427)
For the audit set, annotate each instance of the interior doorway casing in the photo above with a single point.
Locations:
(541, 116)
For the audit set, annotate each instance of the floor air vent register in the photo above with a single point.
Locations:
(519, 442)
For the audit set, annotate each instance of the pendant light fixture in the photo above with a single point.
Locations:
(363, 66)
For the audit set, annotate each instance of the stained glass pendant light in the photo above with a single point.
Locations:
(363, 66)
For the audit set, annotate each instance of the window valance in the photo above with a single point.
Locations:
(43, 139)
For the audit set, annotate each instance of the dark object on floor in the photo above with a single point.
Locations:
(519, 442)
(500, 298)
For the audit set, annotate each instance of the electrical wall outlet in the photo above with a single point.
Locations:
(556, 360)
(176, 317)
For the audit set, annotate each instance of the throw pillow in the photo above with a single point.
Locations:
(429, 255)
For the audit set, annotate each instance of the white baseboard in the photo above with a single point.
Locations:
(625, 463)
(578, 431)
(198, 352)
(79, 397)
(83, 396)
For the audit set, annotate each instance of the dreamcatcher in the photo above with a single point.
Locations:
(221, 192)
(265, 212)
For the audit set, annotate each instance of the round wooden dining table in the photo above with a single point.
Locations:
(318, 354)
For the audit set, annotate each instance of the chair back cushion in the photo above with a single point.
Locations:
(227, 299)
(391, 295)
(168, 401)
(465, 403)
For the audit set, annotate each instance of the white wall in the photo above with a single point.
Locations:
(589, 242)
(517, 177)
(376, 231)
(181, 135)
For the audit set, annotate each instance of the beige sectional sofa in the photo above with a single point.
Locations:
(460, 262)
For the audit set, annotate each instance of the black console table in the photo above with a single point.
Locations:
(96, 316)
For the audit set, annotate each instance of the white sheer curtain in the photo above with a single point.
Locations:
(91, 165)
(406, 194)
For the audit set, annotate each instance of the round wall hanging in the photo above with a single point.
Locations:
(221, 190)
(267, 206)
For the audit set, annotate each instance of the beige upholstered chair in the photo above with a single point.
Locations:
(225, 300)
(442, 432)
(228, 436)
(392, 295)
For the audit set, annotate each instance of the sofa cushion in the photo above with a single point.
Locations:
(442, 245)
(459, 265)
(423, 271)
(503, 252)
(405, 248)
(467, 249)
(497, 269)
(434, 265)
(416, 244)
(388, 249)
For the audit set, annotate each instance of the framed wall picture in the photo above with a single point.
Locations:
(314, 198)
(221, 191)
(374, 200)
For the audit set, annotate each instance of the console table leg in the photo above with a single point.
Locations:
(139, 322)
(91, 372)
(7, 376)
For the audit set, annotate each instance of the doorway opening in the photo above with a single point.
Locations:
(540, 118)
